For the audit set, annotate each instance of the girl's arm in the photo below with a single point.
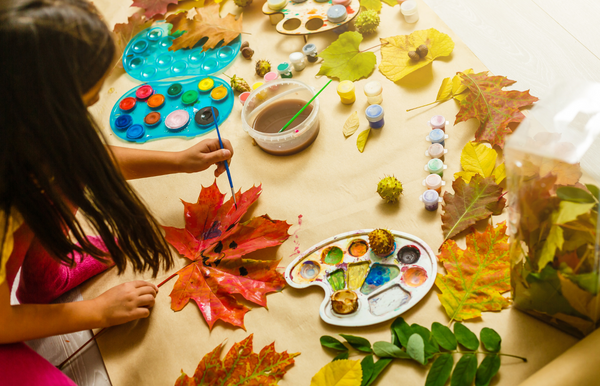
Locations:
(120, 304)
(137, 163)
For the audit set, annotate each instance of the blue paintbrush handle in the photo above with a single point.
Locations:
(225, 162)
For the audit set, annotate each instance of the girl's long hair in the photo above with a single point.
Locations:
(52, 155)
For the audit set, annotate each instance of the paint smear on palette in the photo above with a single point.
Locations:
(310, 270)
(332, 255)
(389, 300)
(337, 279)
(378, 276)
(297, 249)
(349, 10)
(358, 248)
(312, 11)
(414, 276)
(356, 274)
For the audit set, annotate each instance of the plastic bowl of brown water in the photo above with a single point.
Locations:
(271, 106)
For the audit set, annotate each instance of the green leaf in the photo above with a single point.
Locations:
(543, 293)
(491, 339)
(342, 59)
(358, 343)
(342, 355)
(389, 350)
(569, 211)
(465, 370)
(416, 348)
(466, 337)
(374, 5)
(361, 142)
(368, 366)
(487, 369)
(594, 190)
(431, 346)
(391, 3)
(443, 336)
(402, 330)
(332, 343)
(380, 365)
(440, 370)
(570, 193)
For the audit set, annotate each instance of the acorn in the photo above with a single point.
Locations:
(244, 45)
(262, 67)
(247, 52)
(422, 50)
(413, 55)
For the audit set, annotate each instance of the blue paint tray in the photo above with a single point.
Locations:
(175, 108)
(147, 56)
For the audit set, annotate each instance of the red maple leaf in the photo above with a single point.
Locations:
(153, 7)
(492, 106)
(215, 240)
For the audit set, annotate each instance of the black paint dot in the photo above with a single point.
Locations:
(243, 271)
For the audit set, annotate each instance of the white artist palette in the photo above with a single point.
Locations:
(386, 286)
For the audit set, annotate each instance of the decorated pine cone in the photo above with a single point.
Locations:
(242, 3)
(367, 22)
(389, 188)
(262, 67)
(381, 241)
(239, 84)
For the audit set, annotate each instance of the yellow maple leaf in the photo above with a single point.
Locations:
(351, 124)
(343, 372)
(395, 63)
(476, 158)
(206, 23)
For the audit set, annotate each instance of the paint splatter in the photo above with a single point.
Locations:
(310, 270)
(356, 274)
(296, 241)
(389, 300)
(312, 11)
(337, 279)
(349, 10)
(414, 276)
(378, 276)
(358, 248)
(332, 255)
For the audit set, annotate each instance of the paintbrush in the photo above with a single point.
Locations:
(225, 162)
(306, 105)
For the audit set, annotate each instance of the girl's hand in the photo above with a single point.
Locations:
(204, 154)
(125, 302)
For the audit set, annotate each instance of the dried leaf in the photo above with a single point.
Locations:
(215, 240)
(470, 203)
(182, 6)
(477, 276)
(499, 173)
(241, 366)
(361, 142)
(339, 373)
(395, 63)
(492, 106)
(476, 158)
(453, 88)
(581, 300)
(343, 60)
(351, 124)
(373, 5)
(206, 23)
(153, 7)
(124, 32)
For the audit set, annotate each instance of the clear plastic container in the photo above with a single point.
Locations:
(410, 11)
(553, 180)
(291, 140)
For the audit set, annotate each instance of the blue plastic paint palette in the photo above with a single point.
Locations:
(384, 286)
(175, 108)
(147, 56)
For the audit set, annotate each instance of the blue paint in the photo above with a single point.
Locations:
(378, 276)
(123, 122)
(374, 114)
(437, 136)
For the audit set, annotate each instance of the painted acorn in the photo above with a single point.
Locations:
(390, 189)
(381, 241)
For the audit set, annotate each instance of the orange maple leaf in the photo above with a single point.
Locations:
(477, 276)
(206, 23)
(492, 106)
(241, 366)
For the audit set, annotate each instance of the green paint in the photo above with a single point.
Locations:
(337, 280)
(333, 256)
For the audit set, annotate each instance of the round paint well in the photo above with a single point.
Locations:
(409, 254)
(127, 104)
(135, 132)
(164, 60)
(179, 67)
(190, 97)
(139, 46)
(136, 63)
(148, 72)
(175, 90)
(152, 119)
(414, 276)
(166, 41)
(358, 248)
(196, 57)
(154, 34)
(204, 117)
(156, 101)
(144, 92)
(206, 84)
(332, 255)
(218, 93)
(225, 52)
(177, 120)
(209, 65)
(123, 122)
(310, 270)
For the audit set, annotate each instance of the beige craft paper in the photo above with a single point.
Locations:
(332, 186)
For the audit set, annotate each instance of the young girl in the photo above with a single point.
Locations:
(55, 56)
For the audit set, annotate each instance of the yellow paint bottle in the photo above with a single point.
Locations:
(346, 92)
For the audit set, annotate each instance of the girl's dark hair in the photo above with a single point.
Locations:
(52, 155)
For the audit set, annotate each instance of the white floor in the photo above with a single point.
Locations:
(535, 42)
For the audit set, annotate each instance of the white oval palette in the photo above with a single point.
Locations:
(386, 286)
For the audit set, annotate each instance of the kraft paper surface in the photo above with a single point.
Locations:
(332, 186)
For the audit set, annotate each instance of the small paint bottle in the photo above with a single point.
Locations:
(285, 70)
(374, 114)
(436, 150)
(310, 50)
(346, 92)
(177, 120)
(337, 14)
(435, 182)
(410, 11)
(431, 199)
(261, 95)
(123, 122)
(437, 136)
(345, 3)
(374, 92)
(436, 166)
(438, 122)
(269, 76)
(276, 5)
(135, 132)
(298, 60)
(243, 96)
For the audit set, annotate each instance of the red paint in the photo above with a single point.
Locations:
(144, 92)
(349, 10)
(127, 104)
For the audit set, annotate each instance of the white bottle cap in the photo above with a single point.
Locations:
(296, 57)
(373, 88)
(409, 7)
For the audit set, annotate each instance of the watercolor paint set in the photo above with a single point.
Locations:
(361, 287)
(177, 108)
(147, 56)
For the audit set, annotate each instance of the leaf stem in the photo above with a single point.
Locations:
(482, 352)
(428, 104)
(370, 48)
